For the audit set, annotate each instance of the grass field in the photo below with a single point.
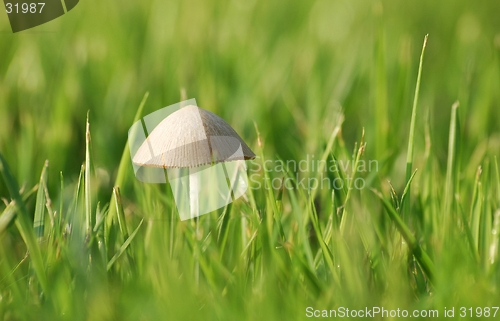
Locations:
(414, 224)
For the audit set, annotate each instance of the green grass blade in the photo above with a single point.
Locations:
(122, 223)
(418, 252)
(476, 208)
(327, 255)
(122, 168)
(59, 218)
(223, 227)
(124, 247)
(76, 204)
(7, 272)
(468, 233)
(7, 217)
(302, 220)
(39, 222)
(357, 157)
(24, 225)
(450, 168)
(271, 198)
(411, 139)
(88, 197)
(101, 214)
(338, 174)
(9, 213)
(407, 188)
(494, 249)
(497, 177)
(328, 150)
(119, 210)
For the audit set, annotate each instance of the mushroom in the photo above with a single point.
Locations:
(195, 143)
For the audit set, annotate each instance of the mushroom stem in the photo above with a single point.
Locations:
(194, 189)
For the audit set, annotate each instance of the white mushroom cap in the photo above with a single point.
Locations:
(191, 137)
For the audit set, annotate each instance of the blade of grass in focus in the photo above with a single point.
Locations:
(411, 139)
(39, 221)
(90, 219)
(122, 168)
(122, 225)
(450, 169)
(497, 176)
(476, 209)
(124, 163)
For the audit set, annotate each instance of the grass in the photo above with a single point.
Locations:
(82, 239)
(411, 138)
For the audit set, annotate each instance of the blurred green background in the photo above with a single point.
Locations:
(287, 66)
(292, 69)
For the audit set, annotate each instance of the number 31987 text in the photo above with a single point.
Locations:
(24, 7)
